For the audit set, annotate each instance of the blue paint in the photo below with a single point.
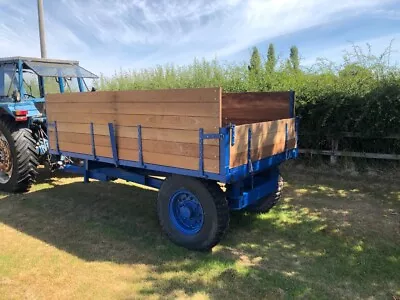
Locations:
(233, 135)
(106, 173)
(80, 84)
(186, 212)
(56, 132)
(247, 192)
(61, 84)
(113, 143)
(201, 151)
(92, 140)
(249, 163)
(41, 86)
(224, 150)
(241, 172)
(29, 106)
(139, 129)
(3, 89)
(160, 170)
(86, 173)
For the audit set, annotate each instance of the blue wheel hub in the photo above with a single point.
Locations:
(186, 212)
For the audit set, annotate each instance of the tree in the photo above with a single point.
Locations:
(255, 61)
(294, 58)
(271, 59)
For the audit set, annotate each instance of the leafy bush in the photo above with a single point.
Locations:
(361, 95)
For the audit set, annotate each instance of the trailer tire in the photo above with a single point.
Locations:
(18, 143)
(265, 204)
(193, 213)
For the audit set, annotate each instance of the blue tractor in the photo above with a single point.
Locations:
(24, 83)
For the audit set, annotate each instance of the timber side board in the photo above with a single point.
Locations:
(169, 122)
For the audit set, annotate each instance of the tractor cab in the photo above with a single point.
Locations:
(24, 81)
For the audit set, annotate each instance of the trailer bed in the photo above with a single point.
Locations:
(196, 132)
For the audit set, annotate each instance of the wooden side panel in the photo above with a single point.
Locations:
(150, 121)
(170, 121)
(157, 109)
(268, 138)
(247, 108)
(204, 95)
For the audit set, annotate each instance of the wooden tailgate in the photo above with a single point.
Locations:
(170, 121)
(267, 139)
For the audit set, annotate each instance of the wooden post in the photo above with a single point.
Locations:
(335, 147)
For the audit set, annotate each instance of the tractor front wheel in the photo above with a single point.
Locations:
(18, 158)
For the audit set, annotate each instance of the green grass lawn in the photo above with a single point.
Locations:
(330, 238)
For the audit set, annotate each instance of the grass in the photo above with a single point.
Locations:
(330, 238)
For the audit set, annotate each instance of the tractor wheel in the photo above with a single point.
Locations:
(193, 213)
(265, 204)
(18, 158)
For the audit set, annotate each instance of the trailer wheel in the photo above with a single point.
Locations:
(265, 204)
(193, 213)
(18, 158)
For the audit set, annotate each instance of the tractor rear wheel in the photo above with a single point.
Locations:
(18, 158)
(193, 213)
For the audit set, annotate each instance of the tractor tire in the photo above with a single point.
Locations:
(265, 204)
(193, 213)
(18, 158)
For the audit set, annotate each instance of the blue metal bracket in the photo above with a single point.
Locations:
(224, 150)
(113, 143)
(249, 162)
(140, 146)
(56, 131)
(286, 139)
(80, 85)
(233, 134)
(92, 140)
(201, 151)
(86, 172)
(61, 84)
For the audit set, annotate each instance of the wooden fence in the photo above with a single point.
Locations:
(334, 152)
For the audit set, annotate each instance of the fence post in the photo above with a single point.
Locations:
(335, 147)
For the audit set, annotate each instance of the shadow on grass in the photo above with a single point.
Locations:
(327, 239)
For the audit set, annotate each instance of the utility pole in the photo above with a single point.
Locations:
(42, 36)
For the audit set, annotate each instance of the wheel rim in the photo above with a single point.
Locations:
(6, 164)
(186, 212)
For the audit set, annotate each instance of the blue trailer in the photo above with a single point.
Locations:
(204, 162)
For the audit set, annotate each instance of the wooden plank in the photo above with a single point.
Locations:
(184, 149)
(197, 95)
(210, 165)
(240, 158)
(171, 135)
(210, 124)
(178, 161)
(263, 134)
(160, 109)
(247, 108)
(261, 141)
(264, 127)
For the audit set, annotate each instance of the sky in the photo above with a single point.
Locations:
(106, 36)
